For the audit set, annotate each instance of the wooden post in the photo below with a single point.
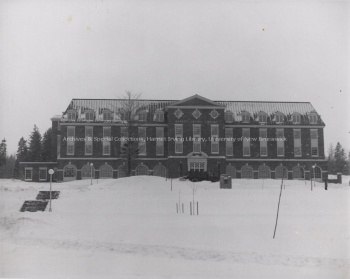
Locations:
(197, 208)
(183, 211)
(190, 208)
(177, 208)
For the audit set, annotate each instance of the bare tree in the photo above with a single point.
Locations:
(128, 113)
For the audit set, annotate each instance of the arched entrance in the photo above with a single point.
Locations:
(298, 173)
(281, 172)
(197, 161)
(141, 170)
(247, 172)
(264, 172)
(86, 171)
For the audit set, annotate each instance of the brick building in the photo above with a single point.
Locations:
(244, 139)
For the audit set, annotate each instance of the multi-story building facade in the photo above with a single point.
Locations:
(243, 139)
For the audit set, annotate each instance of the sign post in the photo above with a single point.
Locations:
(51, 171)
(313, 167)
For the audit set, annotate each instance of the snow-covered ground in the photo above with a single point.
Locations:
(129, 228)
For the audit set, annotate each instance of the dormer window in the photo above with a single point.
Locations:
(313, 118)
(142, 115)
(89, 115)
(71, 114)
(279, 118)
(245, 117)
(296, 118)
(228, 117)
(262, 117)
(107, 115)
(158, 116)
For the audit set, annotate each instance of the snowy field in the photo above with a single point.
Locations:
(129, 228)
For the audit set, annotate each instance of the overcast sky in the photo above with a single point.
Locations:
(53, 51)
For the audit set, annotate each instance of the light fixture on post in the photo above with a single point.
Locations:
(51, 172)
(313, 167)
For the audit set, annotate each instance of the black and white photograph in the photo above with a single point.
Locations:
(175, 139)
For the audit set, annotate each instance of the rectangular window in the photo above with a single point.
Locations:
(279, 118)
(159, 116)
(106, 143)
(263, 142)
(71, 116)
(178, 138)
(313, 119)
(88, 140)
(196, 138)
(314, 142)
(42, 174)
(89, 115)
(280, 142)
(229, 141)
(228, 117)
(297, 142)
(28, 174)
(107, 115)
(70, 140)
(142, 140)
(246, 141)
(160, 141)
(262, 118)
(142, 116)
(214, 139)
(245, 117)
(296, 118)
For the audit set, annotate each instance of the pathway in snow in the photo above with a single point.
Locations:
(188, 253)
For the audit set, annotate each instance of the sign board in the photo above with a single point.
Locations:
(332, 176)
(45, 195)
(34, 206)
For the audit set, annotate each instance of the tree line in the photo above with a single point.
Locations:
(36, 149)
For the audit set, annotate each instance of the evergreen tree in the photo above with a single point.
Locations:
(46, 153)
(34, 149)
(3, 147)
(331, 160)
(21, 156)
(340, 159)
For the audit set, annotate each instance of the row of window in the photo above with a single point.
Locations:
(278, 117)
(28, 174)
(159, 116)
(197, 140)
(264, 172)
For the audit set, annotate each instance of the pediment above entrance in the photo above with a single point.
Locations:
(196, 101)
(196, 155)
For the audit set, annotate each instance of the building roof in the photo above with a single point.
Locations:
(236, 107)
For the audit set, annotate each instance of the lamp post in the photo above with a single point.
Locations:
(51, 171)
(91, 165)
(313, 168)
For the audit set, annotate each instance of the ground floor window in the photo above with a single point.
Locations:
(231, 171)
(281, 172)
(87, 171)
(317, 173)
(28, 174)
(69, 173)
(106, 171)
(141, 170)
(298, 173)
(159, 170)
(42, 174)
(122, 171)
(247, 172)
(264, 172)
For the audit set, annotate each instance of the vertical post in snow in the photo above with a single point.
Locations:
(177, 208)
(278, 207)
(171, 184)
(190, 208)
(183, 211)
(263, 184)
(179, 197)
(197, 208)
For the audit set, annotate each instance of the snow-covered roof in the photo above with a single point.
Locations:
(236, 107)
